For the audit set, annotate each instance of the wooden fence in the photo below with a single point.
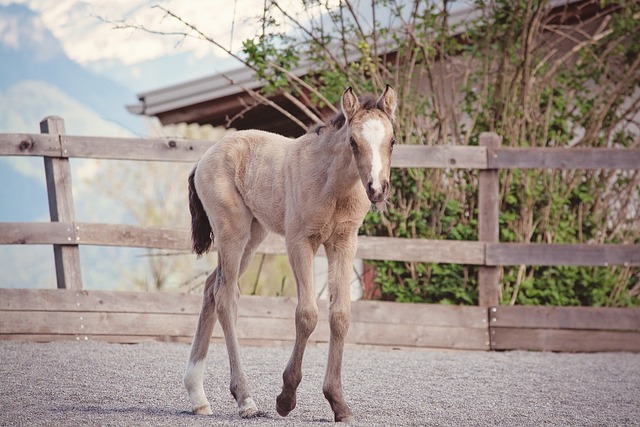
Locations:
(132, 317)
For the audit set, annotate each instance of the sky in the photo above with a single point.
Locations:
(87, 28)
(88, 33)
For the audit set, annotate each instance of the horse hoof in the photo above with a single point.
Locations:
(285, 404)
(251, 413)
(249, 409)
(203, 410)
(347, 420)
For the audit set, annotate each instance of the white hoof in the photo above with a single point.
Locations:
(203, 410)
(249, 409)
(193, 382)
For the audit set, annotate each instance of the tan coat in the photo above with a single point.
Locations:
(315, 190)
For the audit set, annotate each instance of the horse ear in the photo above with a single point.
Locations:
(350, 104)
(388, 102)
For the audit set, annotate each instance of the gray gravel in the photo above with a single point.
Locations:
(93, 383)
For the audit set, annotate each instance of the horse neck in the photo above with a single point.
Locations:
(338, 167)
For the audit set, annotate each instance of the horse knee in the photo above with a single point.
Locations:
(306, 319)
(339, 322)
(226, 297)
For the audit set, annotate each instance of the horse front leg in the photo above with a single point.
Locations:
(306, 318)
(340, 256)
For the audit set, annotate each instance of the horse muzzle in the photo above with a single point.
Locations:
(378, 195)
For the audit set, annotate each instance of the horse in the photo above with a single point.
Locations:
(315, 190)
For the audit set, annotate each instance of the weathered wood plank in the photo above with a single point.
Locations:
(488, 223)
(191, 150)
(562, 254)
(175, 150)
(111, 235)
(138, 302)
(116, 339)
(137, 339)
(563, 158)
(418, 336)
(418, 314)
(382, 248)
(133, 236)
(182, 150)
(91, 324)
(564, 340)
(584, 318)
(386, 248)
(145, 324)
(422, 156)
(50, 312)
(95, 323)
(98, 301)
(465, 157)
(248, 306)
(94, 234)
(420, 250)
(123, 316)
(30, 145)
(36, 233)
(61, 208)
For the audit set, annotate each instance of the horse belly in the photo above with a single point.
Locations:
(270, 215)
(263, 193)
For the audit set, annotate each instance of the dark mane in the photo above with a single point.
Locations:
(367, 102)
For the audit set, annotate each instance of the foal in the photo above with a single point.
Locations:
(314, 190)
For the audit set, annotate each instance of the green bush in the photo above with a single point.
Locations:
(537, 77)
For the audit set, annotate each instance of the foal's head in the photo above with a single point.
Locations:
(370, 132)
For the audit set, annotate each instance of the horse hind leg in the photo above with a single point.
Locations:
(194, 374)
(235, 254)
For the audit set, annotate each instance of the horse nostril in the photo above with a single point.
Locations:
(370, 187)
(385, 187)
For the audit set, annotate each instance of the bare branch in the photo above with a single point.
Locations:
(303, 108)
(266, 101)
(294, 78)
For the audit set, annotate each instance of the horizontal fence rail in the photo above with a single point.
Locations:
(73, 312)
(374, 248)
(64, 314)
(585, 329)
(404, 156)
(133, 317)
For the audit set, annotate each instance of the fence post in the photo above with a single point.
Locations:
(61, 209)
(488, 222)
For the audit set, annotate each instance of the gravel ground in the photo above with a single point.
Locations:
(94, 383)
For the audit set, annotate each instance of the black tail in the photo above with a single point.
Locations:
(201, 233)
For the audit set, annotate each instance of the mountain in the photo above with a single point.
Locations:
(23, 105)
(41, 74)
(29, 51)
(37, 79)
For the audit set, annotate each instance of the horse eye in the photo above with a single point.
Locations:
(353, 144)
(393, 142)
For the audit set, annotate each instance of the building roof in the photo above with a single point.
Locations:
(224, 100)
